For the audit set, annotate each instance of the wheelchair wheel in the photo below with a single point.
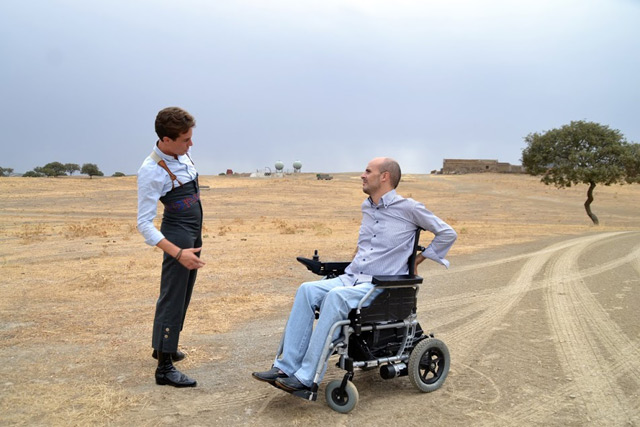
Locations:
(339, 401)
(429, 365)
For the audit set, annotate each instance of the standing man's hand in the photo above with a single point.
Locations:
(190, 260)
(186, 257)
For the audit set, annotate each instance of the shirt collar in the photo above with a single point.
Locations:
(164, 156)
(386, 199)
(161, 154)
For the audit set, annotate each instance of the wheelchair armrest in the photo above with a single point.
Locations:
(399, 280)
(335, 268)
(331, 269)
(312, 265)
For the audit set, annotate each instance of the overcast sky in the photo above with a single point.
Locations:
(331, 83)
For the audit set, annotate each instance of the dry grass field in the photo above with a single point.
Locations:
(79, 285)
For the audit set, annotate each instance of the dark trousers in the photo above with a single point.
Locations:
(184, 229)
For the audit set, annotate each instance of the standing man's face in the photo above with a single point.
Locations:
(180, 145)
(371, 178)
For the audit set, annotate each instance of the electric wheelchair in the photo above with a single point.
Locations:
(384, 334)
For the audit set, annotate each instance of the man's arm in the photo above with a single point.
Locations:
(149, 192)
(444, 236)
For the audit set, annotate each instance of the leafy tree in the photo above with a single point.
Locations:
(581, 153)
(5, 171)
(91, 169)
(71, 168)
(32, 174)
(118, 174)
(51, 169)
(632, 162)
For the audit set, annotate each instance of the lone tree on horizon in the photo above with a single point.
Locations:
(91, 169)
(582, 153)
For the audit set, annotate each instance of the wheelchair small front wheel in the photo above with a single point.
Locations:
(429, 364)
(341, 401)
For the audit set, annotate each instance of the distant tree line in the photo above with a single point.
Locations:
(60, 169)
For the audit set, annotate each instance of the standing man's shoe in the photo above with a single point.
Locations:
(167, 374)
(269, 376)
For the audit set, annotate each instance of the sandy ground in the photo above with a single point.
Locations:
(539, 308)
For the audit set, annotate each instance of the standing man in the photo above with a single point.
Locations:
(385, 242)
(168, 174)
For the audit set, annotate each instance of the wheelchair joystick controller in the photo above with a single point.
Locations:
(315, 255)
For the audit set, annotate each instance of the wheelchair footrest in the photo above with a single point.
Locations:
(306, 395)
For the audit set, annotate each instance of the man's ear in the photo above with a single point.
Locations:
(166, 139)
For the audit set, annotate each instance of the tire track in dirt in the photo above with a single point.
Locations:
(240, 398)
(593, 350)
(499, 262)
(624, 351)
(478, 331)
(469, 303)
(590, 342)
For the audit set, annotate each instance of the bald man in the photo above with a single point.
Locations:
(385, 243)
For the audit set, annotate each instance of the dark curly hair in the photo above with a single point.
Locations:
(172, 122)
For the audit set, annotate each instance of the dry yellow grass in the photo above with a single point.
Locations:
(79, 285)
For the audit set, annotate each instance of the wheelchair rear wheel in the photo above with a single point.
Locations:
(339, 401)
(429, 364)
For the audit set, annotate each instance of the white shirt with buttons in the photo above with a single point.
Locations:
(386, 238)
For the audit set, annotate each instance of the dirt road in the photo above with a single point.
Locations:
(544, 333)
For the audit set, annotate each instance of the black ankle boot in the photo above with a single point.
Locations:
(167, 374)
(176, 357)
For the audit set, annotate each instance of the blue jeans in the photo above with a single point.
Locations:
(303, 343)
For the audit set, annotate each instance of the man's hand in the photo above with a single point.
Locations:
(187, 258)
(419, 259)
(190, 260)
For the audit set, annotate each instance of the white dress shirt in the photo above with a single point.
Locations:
(386, 238)
(153, 183)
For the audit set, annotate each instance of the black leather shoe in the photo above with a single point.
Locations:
(167, 374)
(269, 376)
(174, 378)
(176, 357)
(291, 384)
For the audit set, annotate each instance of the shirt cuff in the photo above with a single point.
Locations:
(429, 253)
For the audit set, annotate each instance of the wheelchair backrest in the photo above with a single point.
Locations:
(416, 249)
(394, 303)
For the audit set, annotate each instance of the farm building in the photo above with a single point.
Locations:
(460, 166)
